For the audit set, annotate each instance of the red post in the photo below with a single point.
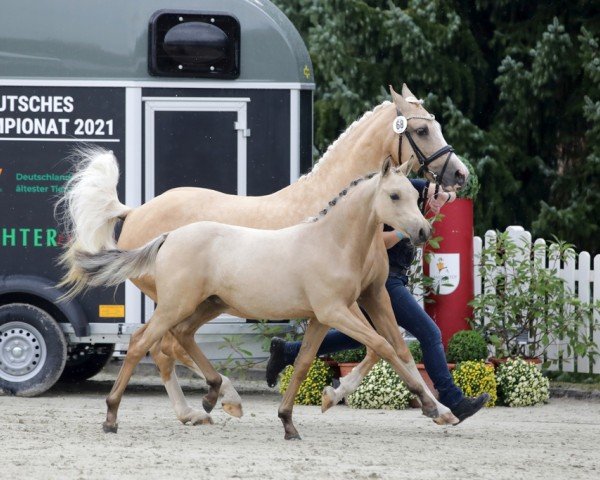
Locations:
(454, 260)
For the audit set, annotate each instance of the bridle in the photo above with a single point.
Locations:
(400, 127)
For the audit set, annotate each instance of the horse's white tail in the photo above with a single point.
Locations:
(89, 208)
(109, 268)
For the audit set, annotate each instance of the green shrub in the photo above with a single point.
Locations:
(475, 378)
(318, 377)
(467, 345)
(381, 388)
(350, 356)
(521, 384)
(415, 351)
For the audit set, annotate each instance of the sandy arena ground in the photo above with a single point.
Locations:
(59, 436)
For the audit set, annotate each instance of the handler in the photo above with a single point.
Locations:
(409, 316)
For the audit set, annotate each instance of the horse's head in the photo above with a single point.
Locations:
(422, 140)
(396, 203)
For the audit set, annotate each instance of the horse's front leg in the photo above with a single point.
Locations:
(310, 344)
(376, 301)
(342, 319)
(349, 383)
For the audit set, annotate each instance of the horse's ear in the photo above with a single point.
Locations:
(406, 92)
(387, 165)
(405, 168)
(399, 101)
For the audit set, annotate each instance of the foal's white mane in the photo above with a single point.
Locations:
(344, 134)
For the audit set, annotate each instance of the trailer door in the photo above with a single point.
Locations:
(199, 142)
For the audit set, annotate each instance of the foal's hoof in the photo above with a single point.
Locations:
(110, 428)
(327, 399)
(233, 409)
(446, 419)
(431, 413)
(292, 436)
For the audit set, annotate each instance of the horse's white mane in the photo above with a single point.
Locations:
(344, 134)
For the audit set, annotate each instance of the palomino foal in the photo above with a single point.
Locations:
(313, 269)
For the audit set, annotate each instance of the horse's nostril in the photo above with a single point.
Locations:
(460, 178)
(422, 235)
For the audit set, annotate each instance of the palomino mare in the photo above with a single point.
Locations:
(211, 267)
(92, 210)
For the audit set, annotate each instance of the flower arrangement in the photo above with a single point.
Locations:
(521, 384)
(318, 377)
(381, 388)
(475, 378)
(467, 345)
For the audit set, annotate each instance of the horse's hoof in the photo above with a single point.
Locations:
(294, 436)
(109, 428)
(233, 409)
(327, 399)
(431, 413)
(208, 406)
(204, 420)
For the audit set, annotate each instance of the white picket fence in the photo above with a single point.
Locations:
(580, 274)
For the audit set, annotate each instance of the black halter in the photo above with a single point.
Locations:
(424, 161)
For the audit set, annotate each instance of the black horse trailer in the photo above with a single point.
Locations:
(207, 93)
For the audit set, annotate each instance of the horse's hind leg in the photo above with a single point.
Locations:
(310, 344)
(184, 333)
(166, 366)
(138, 347)
(231, 400)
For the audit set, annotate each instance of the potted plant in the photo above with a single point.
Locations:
(525, 306)
(521, 384)
(311, 389)
(467, 345)
(381, 388)
(475, 377)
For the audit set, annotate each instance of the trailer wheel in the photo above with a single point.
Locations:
(86, 360)
(33, 350)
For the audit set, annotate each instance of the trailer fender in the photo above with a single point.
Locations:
(43, 293)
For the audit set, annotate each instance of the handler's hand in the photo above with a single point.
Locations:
(437, 202)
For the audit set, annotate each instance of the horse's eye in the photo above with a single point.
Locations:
(422, 131)
(395, 196)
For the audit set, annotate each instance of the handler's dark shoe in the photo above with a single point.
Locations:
(276, 361)
(469, 406)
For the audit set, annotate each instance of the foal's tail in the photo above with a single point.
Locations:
(89, 208)
(108, 268)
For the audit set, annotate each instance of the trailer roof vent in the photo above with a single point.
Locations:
(194, 44)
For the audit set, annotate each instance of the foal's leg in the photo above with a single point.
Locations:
(349, 383)
(184, 333)
(161, 321)
(376, 301)
(169, 350)
(345, 321)
(310, 344)
(166, 366)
